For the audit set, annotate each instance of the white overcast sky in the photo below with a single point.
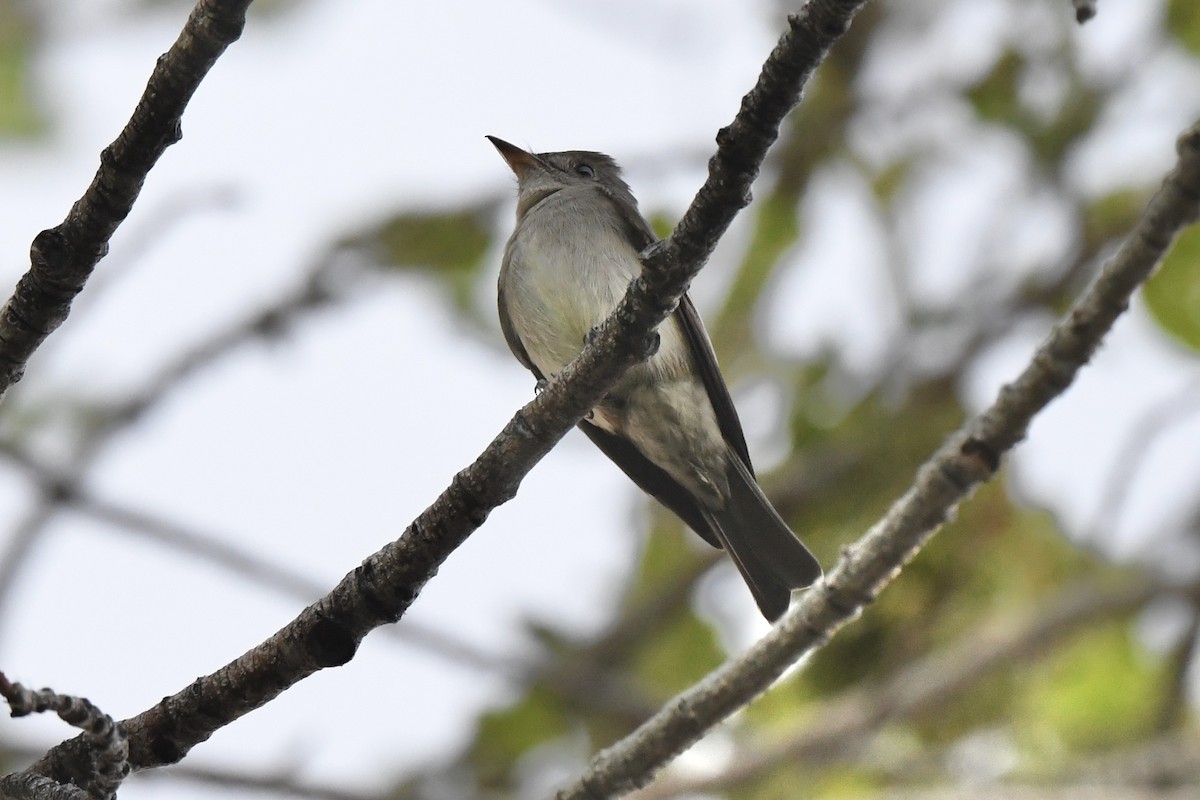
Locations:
(318, 449)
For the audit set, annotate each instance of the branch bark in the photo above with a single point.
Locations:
(108, 756)
(968, 458)
(63, 257)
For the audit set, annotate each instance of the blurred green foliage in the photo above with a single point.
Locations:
(502, 737)
(449, 245)
(1173, 293)
(19, 114)
(1183, 21)
(1094, 691)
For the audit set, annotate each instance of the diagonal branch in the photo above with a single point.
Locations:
(844, 726)
(62, 257)
(742, 145)
(968, 458)
(380, 591)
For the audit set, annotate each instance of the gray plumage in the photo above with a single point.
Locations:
(669, 422)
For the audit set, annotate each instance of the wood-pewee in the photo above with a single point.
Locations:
(669, 422)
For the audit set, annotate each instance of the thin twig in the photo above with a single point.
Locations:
(108, 753)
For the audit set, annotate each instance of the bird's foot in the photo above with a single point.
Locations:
(652, 343)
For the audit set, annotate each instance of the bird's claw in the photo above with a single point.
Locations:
(540, 386)
(653, 342)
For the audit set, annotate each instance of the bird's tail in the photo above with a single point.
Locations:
(770, 557)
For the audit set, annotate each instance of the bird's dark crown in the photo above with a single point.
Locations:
(585, 166)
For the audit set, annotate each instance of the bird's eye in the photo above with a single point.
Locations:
(585, 170)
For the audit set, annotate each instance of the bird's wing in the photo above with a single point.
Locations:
(642, 236)
(642, 471)
(718, 393)
(510, 334)
(648, 477)
(652, 480)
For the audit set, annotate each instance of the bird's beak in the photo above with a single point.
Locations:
(518, 160)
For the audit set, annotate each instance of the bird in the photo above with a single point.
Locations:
(669, 422)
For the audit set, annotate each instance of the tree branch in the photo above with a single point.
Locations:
(63, 257)
(845, 724)
(108, 761)
(327, 633)
(28, 786)
(968, 458)
(742, 145)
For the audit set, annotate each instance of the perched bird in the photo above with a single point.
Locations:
(669, 422)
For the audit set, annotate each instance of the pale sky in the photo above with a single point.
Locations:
(318, 449)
